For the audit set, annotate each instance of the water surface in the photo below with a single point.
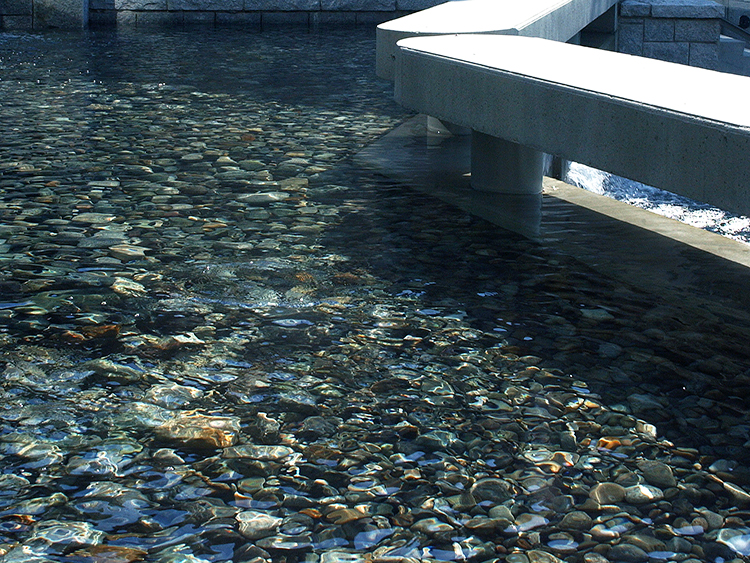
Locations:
(224, 340)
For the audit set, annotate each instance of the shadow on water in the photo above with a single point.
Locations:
(658, 307)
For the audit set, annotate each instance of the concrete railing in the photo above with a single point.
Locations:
(683, 129)
(559, 20)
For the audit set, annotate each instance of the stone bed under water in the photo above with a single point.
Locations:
(222, 341)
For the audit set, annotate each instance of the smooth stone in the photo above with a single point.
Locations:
(341, 557)
(657, 473)
(640, 494)
(431, 527)
(259, 452)
(577, 521)
(263, 198)
(437, 440)
(346, 515)
(172, 395)
(539, 556)
(525, 522)
(255, 525)
(627, 553)
(645, 542)
(197, 431)
(58, 533)
(127, 252)
(94, 218)
(607, 493)
(491, 489)
(127, 287)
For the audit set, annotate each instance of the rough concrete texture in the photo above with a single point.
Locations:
(132, 4)
(281, 5)
(697, 30)
(686, 9)
(551, 19)
(62, 14)
(16, 7)
(671, 52)
(204, 5)
(630, 38)
(635, 8)
(359, 5)
(658, 29)
(644, 119)
(704, 55)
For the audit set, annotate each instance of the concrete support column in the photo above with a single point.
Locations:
(502, 166)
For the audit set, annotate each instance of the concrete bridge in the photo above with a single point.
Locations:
(676, 127)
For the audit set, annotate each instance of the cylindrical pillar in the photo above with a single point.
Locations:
(505, 167)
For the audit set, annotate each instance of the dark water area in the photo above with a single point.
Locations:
(222, 339)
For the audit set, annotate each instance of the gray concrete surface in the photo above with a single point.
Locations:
(679, 128)
(559, 20)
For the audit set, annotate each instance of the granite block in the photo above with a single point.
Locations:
(281, 5)
(359, 5)
(60, 14)
(204, 5)
(16, 7)
(704, 55)
(634, 9)
(671, 52)
(16, 23)
(127, 18)
(658, 29)
(140, 4)
(699, 30)
(159, 19)
(686, 9)
(630, 39)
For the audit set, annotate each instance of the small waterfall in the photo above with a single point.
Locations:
(658, 201)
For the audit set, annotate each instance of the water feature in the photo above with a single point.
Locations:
(223, 340)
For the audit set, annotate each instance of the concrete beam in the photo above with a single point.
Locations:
(679, 128)
(559, 20)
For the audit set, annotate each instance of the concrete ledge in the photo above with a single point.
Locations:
(559, 20)
(679, 128)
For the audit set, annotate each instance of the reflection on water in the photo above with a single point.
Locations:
(222, 340)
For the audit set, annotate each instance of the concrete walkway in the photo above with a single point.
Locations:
(558, 20)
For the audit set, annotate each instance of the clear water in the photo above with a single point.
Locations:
(697, 214)
(222, 340)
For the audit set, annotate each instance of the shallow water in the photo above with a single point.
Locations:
(222, 340)
(694, 213)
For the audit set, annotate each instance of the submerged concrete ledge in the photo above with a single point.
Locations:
(682, 129)
(623, 241)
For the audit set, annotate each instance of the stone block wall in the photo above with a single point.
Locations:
(39, 14)
(679, 31)
(250, 13)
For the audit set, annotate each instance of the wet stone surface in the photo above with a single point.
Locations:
(221, 341)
